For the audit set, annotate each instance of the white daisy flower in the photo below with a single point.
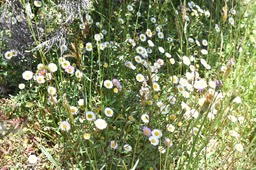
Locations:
(156, 86)
(153, 20)
(170, 127)
(160, 104)
(52, 67)
(65, 64)
(183, 82)
(48, 76)
(40, 79)
(161, 149)
(130, 8)
(127, 148)
(113, 144)
(191, 40)
(172, 61)
(232, 118)
(97, 37)
(168, 142)
(52, 99)
(186, 94)
(90, 116)
(160, 35)
(108, 84)
(194, 113)
(237, 100)
(161, 49)
(145, 118)
(234, 133)
(239, 147)
(65, 126)
(175, 79)
(168, 55)
(27, 75)
(132, 42)
(100, 124)
(138, 59)
(212, 84)
(154, 77)
(78, 74)
(14, 53)
(108, 112)
(150, 43)
(140, 78)
(143, 37)
(164, 110)
(171, 99)
(149, 33)
(73, 110)
(140, 49)
(231, 21)
(153, 140)
(63, 48)
(37, 3)
(32, 159)
(120, 20)
(204, 42)
(200, 84)
(87, 136)
(21, 86)
(241, 119)
(204, 51)
(80, 102)
(157, 133)
(51, 90)
(170, 39)
(88, 46)
(149, 50)
(186, 60)
(180, 88)
(8, 55)
(130, 65)
(217, 28)
(195, 131)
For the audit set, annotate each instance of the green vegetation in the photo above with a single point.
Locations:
(128, 84)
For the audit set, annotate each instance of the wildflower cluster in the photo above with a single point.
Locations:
(116, 93)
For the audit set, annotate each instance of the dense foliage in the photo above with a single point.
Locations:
(131, 84)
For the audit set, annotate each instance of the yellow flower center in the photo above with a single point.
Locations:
(156, 133)
(64, 126)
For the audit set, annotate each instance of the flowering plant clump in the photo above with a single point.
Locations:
(132, 85)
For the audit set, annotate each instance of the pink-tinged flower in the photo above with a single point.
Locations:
(146, 131)
(116, 83)
(42, 72)
(200, 84)
(168, 142)
(160, 61)
(113, 144)
(218, 83)
(70, 69)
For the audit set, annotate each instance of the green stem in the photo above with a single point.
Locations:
(134, 152)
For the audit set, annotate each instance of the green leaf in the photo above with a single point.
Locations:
(49, 156)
